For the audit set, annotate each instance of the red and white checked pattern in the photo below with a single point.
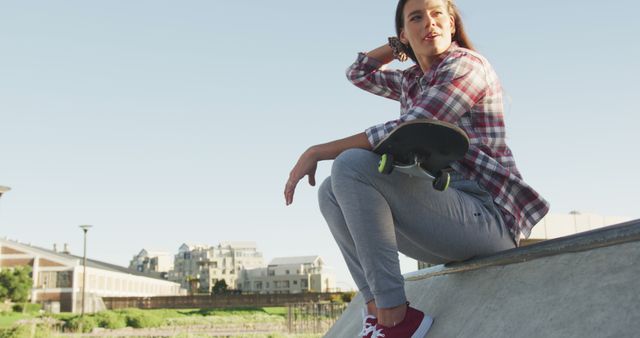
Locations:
(461, 88)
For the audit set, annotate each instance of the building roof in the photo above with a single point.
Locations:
(190, 246)
(74, 260)
(294, 260)
(153, 253)
(238, 244)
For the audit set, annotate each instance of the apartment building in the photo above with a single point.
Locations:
(152, 261)
(288, 275)
(199, 267)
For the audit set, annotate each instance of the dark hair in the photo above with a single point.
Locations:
(460, 36)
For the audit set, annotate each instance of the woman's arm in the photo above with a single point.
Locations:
(366, 73)
(383, 54)
(308, 161)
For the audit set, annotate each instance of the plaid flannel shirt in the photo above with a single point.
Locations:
(460, 88)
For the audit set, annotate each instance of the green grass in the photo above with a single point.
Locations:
(163, 318)
(138, 318)
(280, 311)
(7, 319)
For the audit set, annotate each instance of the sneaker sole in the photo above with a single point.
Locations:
(423, 328)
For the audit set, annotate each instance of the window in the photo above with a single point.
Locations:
(295, 282)
(304, 283)
(287, 272)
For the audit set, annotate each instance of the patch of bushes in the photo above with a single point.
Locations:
(348, 296)
(110, 320)
(21, 331)
(343, 297)
(27, 307)
(84, 324)
(141, 319)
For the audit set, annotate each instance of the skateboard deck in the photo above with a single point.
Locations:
(423, 148)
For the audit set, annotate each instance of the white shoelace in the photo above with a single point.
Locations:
(367, 327)
(377, 333)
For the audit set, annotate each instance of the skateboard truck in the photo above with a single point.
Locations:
(423, 148)
(440, 181)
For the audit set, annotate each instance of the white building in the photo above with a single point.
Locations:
(58, 278)
(288, 275)
(152, 261)
(557, 225)
(560, 225)
(199, 267)
(185, 267)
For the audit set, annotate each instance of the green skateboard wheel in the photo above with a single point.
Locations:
(441, 183)
(385, 166)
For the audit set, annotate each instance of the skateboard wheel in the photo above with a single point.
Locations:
(385, 166)
(441, 183)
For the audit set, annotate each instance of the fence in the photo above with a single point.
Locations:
(313, 317)
(215, 301)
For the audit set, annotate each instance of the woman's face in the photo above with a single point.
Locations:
(428, 27)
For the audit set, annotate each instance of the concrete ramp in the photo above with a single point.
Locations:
(585, 285)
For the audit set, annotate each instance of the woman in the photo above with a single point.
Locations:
(488, 206)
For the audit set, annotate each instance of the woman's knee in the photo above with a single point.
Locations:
(325, 194)
(352, 160)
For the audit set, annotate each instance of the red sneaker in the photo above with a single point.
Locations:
(414, 325)
(369, 323)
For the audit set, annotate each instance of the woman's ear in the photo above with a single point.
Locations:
(403, 38)
(452, 20)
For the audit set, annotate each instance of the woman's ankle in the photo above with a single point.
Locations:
(391, 317)
(372, 309)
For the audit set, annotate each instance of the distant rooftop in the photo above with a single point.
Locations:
(239, 244)
(294, 260)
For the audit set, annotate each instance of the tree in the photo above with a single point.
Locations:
(15, 284)
(193, 282)
(220, 287)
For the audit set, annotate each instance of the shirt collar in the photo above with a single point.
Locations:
(438, 59)
(426, 76)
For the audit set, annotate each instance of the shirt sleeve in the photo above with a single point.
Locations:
(366, 73)
(458, 84)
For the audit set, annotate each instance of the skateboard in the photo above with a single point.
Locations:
(423, 148)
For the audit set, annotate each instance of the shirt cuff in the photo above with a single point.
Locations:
(375, 134)
(367, 61)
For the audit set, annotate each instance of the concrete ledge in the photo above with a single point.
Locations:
(584, 285)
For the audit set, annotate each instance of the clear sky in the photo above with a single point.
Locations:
(164, 122)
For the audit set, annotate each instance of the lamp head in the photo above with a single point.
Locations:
(3, 189)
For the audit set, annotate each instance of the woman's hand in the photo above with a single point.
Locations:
(308, 161)
(306, 166)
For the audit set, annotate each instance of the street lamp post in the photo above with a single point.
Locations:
(84, 228)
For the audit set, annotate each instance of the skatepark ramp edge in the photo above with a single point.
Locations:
(583, 285)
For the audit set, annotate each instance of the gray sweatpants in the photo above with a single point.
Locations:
(373, 216)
